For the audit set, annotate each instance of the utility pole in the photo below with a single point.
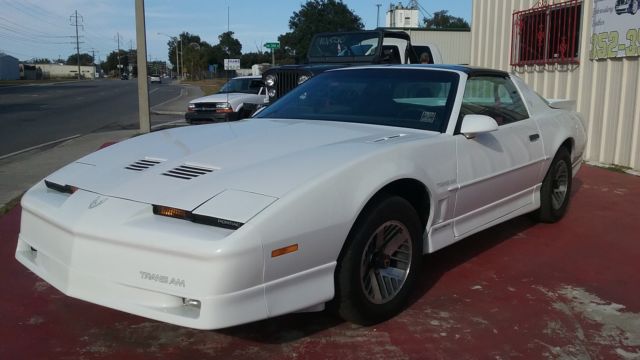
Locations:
(73, 19)
(378, 16)
(119, 66)
(178, 59)
(93, 61)
(143, 86)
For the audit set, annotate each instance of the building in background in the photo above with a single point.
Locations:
(454, 44)
(9, 67)
(59, 71)
(400, 16)
(581, 50)
(157, 68)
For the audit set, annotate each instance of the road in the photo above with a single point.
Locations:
(34, 115)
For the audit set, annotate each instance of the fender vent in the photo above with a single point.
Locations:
(187, 172)
(141, 165)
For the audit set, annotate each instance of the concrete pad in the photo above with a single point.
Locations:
(18, 173)
(569, 290)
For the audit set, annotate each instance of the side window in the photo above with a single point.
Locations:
(255, 85)
(496, 97)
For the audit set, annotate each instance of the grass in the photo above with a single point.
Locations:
(10, 205)
(208, 86)
(618, 168)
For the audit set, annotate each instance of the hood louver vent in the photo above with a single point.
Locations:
(141, 165)
(187, 172)
(386, 138)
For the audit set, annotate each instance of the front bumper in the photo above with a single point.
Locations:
(193, 117)
(120, 255)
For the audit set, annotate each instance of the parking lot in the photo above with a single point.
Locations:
(519, 290)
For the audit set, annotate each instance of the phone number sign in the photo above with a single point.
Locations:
(616, 29)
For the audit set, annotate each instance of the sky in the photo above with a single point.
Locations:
(42, 29)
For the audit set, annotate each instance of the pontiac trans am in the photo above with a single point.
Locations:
(330, 195)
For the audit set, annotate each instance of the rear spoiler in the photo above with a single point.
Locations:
(564, 104)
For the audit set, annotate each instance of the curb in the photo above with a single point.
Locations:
(39, 146)
(183, 92)
(161, 112)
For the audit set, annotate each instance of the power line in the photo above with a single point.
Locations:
(14, 35)
(28, 30)
(26, 12)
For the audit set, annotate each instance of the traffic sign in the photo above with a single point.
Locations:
(231, 64)
(272, 45)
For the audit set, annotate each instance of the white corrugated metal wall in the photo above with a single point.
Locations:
(606, 91)
(455, 46)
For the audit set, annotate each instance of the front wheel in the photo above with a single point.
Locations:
(379, 266)
(556, 188)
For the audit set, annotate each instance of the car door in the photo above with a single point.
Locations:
(258, 90)
(497, 171)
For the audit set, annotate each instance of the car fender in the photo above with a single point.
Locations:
(316, 219)
(558, 127)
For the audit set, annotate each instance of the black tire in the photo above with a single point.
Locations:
(556, 188)
(393, 218)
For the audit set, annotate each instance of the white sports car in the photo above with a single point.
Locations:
(332, 195)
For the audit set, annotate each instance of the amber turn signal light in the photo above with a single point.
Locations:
(285, 250)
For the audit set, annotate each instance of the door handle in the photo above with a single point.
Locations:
(534, 137)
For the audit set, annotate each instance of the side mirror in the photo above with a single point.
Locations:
(473, 125)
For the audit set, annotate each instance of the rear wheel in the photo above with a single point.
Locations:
(556, 188)
(379, 266)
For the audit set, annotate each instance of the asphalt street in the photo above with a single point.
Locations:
(38, 114)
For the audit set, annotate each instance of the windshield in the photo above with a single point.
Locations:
(356, 44)
(412, 98)
(243, 85)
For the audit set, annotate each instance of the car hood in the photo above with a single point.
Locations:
(262, 156)
(223, 97)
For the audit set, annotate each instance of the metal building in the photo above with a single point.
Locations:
(582, 50)
(454, 44)
(9, 67)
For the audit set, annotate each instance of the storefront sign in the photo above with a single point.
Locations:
(616, 29)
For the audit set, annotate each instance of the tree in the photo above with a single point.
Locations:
(249, 59)
(40, 61)
(442, 20)
(317, 16)
(230, 46)
(183, 40)
(111, 64)
(85, 59)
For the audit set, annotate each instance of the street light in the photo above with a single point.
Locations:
(177, 61)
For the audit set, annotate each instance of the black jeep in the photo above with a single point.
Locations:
(341, 49)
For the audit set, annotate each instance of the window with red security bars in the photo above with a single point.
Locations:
(549, 33)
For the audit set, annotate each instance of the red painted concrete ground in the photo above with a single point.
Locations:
(518, 291)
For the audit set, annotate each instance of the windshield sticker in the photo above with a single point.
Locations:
(428, 117)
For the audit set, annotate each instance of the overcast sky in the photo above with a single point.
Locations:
(42, 29)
